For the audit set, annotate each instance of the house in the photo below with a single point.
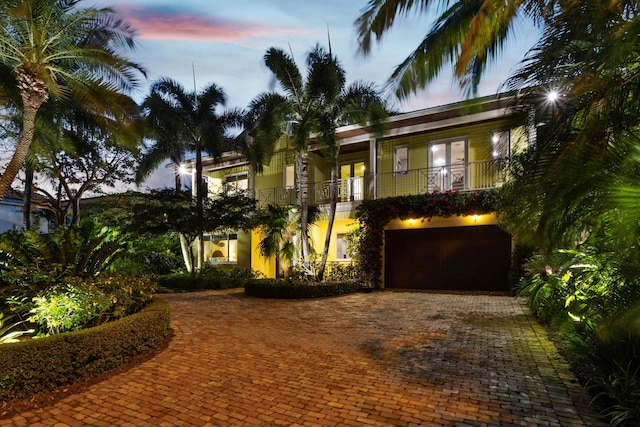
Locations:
(11, 214)
(454, 147)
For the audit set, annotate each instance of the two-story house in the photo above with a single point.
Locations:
(455, 147)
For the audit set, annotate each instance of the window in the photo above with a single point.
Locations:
(501, 144)
(341, 248)
(221, 248)
(289, 176)
(236, 182)
(401, 159)
(352, 181)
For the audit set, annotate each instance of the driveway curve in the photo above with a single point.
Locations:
(380, 359)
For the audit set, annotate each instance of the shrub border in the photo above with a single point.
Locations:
(37, 365)
(283, 289)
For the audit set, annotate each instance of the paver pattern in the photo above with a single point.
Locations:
(377, 359)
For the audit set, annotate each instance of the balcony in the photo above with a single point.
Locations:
(469, 176)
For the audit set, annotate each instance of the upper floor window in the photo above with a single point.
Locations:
(401, 159)
(501, 144)
(236, 182)
(289, 176)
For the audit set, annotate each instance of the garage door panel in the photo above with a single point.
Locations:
(457, 258)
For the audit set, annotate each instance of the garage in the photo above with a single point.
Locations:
(471, 258)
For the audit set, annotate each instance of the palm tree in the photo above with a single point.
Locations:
(297, 112)
(280, 225)
(340, 105)
(187, 121)
(469, 33)
(57, 47)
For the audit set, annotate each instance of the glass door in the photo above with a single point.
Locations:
(352, 181)
(447, 166)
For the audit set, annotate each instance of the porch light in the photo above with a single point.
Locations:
(495, 138)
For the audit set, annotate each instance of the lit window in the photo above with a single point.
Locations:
(501, 144)
(236, 182)
(289, 176)
(401, 159)
(221, 248)
(341, 248)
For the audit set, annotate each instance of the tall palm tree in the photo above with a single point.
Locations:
(339, 105)
(188, 121)
(296, 112)
(318, 104)
(57, 47)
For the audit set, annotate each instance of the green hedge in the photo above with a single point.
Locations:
(36, 365)
(273, 288)
(207, 278)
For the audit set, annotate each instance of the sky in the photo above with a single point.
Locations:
(199, 42)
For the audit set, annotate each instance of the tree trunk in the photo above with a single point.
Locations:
(333, 202)
(26, 201)
(33, 92)
(199, 206)
(186, 253)
(303, 189)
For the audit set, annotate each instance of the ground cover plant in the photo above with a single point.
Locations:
(595, 310)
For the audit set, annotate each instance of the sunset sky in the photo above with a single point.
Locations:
(225, 43)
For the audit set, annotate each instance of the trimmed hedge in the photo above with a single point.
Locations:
(273, 288)
(37, 365)
(207, 278)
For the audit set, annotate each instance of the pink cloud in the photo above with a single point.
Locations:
(183, 26)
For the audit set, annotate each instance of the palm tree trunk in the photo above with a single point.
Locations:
(333, 202)
(303, 189)
(28, 193)
(34, 93)
(186, 253)
(199, 206)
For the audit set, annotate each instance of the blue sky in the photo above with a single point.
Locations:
(225, 41)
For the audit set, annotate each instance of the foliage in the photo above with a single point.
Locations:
(8, 334)
(615, 347)
(59, 48)
(583, 295)
(208, 277)
(44, 364)
(342, 272)
(288, 289)
(77, 304)
(279, 226)
(41, 261)
(373, 215)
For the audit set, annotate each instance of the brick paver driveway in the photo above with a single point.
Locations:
(384, 359)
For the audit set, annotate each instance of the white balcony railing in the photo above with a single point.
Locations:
(458, 177)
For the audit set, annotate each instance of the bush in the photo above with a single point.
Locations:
(79, 303)
(209, 277)
(273, 288)
(33, 366)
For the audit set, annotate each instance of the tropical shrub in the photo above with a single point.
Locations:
(32, 366)
(78, 304)
(10, 331)
(583, 294)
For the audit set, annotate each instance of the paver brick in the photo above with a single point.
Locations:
(380, 359)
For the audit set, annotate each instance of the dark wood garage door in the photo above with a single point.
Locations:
(475, 258)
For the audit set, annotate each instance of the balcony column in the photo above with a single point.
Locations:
(373, 169)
